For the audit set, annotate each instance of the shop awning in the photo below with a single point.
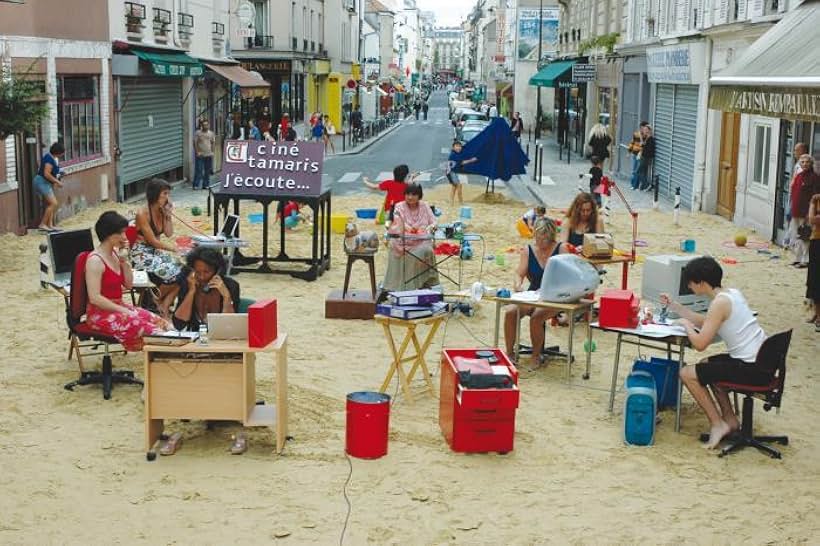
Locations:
(174, 65)
(252, 85)
(778, 75)
(547, 76)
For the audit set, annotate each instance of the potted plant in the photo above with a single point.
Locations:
(133, 23)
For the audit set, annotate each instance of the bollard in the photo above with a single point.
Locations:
(541, 165)
(535, 166)
(677, 207)
(655, 190)
(343, 141)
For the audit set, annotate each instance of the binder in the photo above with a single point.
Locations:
(415, 297)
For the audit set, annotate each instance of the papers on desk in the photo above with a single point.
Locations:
(526, 296)
(141, 278)
(171, 338)
(651, 330)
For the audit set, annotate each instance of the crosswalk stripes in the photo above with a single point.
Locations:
(547, 181)
(349, 177)
(384, 175)
(423, 177)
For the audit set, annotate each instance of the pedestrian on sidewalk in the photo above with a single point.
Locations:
(647, 157)
(204, 143)
(599, 141)
(253, 131)
(634, 148)
(329, 133)
(317, 131)
(805, 184)
(516, 125)
(417, 107)
(425, 107)
(284, 126)
(493, 111)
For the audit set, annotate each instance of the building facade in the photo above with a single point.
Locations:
(69, 52)
(448, 56)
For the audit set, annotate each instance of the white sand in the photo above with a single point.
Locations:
(73, 469)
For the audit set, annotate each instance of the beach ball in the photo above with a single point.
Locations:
(740, 239)
(196, 211)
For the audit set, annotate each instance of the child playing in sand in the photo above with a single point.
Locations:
(526, 223)
(597, 172)
(394, 188)
(453, 165)
(729, 317)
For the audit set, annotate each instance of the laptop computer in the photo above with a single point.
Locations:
(228, 231)
(63, 249)
(227, 326)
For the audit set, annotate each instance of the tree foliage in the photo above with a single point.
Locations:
(21, 103)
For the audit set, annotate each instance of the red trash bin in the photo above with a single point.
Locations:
(368, 423)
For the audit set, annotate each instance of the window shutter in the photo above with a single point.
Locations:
(722, 16)
(681, 15)
(756, 8)
(661, 20)
(741, 9)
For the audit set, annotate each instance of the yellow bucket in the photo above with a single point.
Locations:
(337, 223)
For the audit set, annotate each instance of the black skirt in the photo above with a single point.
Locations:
(813, 272)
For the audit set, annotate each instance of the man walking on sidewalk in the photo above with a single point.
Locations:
(204, 141)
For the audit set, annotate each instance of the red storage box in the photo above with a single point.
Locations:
(477, 420)
(262, 325)
(619, 309)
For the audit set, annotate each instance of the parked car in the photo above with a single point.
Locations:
(467, 115)
(468, 133)
(470, 126)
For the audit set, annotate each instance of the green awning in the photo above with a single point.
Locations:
(173, 65)
(547, 76)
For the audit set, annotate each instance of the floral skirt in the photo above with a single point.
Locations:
(160, 263)
(128, 329)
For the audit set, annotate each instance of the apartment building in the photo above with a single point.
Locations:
(69, 52)
(448, 57)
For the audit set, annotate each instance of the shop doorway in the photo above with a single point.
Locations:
(29, 204)
(727, 176)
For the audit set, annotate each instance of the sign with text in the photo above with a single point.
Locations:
(583, 72)
(528, 23)
(262, 168)
(683, 63)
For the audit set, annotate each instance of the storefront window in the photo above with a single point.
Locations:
(760, 167)
(78, 122)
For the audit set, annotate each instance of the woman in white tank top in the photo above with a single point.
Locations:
(730, 318)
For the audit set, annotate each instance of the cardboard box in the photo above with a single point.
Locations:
(262, 323)
(598, 245)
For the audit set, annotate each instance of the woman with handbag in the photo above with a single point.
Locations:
(804, 185)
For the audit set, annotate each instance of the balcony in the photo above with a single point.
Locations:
(162, 25)
(185, 27)
(260, 41)
(134, 18)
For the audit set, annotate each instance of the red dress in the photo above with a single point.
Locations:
(128, 329)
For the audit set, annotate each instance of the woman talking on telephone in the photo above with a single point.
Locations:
(149, 253)
(203, 289)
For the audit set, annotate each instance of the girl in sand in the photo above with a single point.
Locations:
(582, 217)
(149, 252)
(107, 272)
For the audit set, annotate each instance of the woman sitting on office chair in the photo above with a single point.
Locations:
(411, 263)
(582, 217)
(150, 253)
(531, 264)
(107, 272)
(203, 289)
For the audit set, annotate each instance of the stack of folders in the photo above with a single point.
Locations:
(413, 304)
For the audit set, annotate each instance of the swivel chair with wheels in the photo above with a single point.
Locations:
(75, 317)
(771, 357)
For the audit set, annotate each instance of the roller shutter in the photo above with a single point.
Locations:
(630, 119)
(151, 138)
(676, 118)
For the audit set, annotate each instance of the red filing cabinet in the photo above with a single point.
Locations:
(476, 420)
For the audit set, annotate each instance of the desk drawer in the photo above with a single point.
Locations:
(181, 389)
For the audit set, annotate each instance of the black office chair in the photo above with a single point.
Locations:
(772, 358)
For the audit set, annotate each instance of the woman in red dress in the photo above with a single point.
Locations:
(106, 274)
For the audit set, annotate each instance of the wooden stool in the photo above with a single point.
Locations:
(417, 359)
(369, 259)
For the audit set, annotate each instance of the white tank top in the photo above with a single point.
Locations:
(741, 332)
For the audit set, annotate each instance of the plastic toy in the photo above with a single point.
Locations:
(196, 211)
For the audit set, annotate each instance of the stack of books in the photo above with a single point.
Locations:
(413, 304)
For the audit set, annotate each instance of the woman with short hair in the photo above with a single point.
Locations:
(48, 178)
(411, 263)
(107, 273)
(150, 253)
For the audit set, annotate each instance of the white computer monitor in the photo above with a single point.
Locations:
(568, 278)
(664, 275)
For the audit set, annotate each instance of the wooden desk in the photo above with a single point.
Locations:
(623, 260)
(418, 359)
(645, 340)
(571, 309)
(216, 381)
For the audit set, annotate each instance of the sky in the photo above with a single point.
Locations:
(449, 13)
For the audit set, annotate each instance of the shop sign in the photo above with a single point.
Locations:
(266, 66)
(682, 64)
(583, 73)
(269, 169)
(775, 102)
(565, 85)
